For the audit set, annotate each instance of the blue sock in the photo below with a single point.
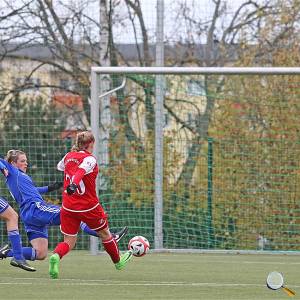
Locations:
(29, 253)
(88, 230)
(10, 253)
(16, 244)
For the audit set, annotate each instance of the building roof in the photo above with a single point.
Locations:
(130, 52)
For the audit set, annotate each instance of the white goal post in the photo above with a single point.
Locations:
(96, 72)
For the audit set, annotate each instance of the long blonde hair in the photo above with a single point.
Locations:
(82, 141)
(13, 155)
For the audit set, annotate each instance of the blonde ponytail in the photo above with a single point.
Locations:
(82, 141)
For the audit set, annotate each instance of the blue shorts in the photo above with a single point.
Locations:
(3, 204)
(37, 216)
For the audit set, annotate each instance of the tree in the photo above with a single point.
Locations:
(71, 36)
(264, 33)
(34, 127)
(257, 134)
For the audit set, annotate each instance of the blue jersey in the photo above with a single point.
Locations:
(35, 213)
(21, 186)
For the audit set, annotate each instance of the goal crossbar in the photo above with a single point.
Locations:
(199, 70)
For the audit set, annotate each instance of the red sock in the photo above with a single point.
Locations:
(112, 249)
(62, 249)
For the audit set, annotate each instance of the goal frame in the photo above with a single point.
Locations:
(96, 92)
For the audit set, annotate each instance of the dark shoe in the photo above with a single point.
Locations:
(3, 251)
(119, 235)
(22, 263)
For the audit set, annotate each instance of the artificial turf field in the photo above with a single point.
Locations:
(155, 276)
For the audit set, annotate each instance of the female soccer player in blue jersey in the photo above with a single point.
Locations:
(35, 213)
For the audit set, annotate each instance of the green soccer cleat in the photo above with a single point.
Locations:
(54, 266)
(124, 259)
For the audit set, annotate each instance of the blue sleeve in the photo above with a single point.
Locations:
(2, 166)
(7, 166)
(42, 189)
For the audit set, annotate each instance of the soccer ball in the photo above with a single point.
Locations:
(139, 245)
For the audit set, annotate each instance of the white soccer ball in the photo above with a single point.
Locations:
(139, 245)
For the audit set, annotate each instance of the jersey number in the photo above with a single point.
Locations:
(81, 189)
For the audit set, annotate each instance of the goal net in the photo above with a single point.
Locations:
(201, 158)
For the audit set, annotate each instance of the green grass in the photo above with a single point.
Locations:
(155, 276)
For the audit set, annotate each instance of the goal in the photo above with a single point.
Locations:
(200, 159)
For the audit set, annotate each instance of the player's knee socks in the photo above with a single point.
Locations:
(112, 249)
(16, 244)
(88, 230)
(62, 249)
(29, 253)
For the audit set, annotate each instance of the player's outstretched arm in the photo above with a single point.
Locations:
(3, 169)
(50, 188)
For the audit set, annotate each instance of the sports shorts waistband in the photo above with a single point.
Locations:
(79, 211)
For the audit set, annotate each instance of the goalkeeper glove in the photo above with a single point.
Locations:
(71, 188)
(54, 186)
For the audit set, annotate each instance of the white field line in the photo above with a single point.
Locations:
(275, 262)
(228, 261)
(84, 282)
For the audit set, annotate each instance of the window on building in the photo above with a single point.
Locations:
(168, 86)
(32, 83)
(64, 84)
(166, 119)
(195, 88)
(190, 119)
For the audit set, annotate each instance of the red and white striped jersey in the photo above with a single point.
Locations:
(80, 168)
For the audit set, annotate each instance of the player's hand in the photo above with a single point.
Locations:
(54, 186)
(71, 188)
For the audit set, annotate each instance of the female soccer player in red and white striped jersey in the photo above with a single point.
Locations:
(80, 203)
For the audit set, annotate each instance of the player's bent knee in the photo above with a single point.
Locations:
(41, 255)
